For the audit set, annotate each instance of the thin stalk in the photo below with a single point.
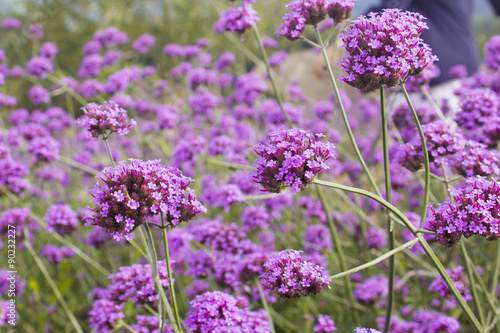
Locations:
(430, 253)
(271, 77)
(52, 284)
(122, 323)
(390, 223)
(343, 112)
(496, 273)
(339, 250)
(74, 164)
(432, 103)
(105, 138)
(425, 152)
(377, 260)
(492, 302)
(470, 273)
(169, 272)
(266, 306)
(262, 196)
(147, 239)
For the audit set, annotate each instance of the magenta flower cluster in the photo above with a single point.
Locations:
(106, 118)
(441, 288)
(383, 49)
(492, 53)
(474, 210)
(290, 159)
(135, 191)
(61, 218)
(237, 19)
(289, 276)
(311, 12)
(220, 312)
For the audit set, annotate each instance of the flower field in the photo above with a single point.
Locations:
(173, 177)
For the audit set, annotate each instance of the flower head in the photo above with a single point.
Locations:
(133, 192)
(289, 276)
(382, 49)
(99, 119)
(290, 159)
(61, 218)
(237, 19)
(492, 53)
(473, 211)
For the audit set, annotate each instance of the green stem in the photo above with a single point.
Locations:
(430, 253)
(74, 164)
(377, 260)
(271, 77)
(343, 112)
(52, 284)
(425, 152)
(432, 103)
(339, 250)
(470, 273)
(169, 271)
(122, 323)
(496, 273)
(266, 306)
(390, 223)
(105, 138)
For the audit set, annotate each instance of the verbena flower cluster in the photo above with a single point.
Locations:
(382, 49)
(311, 12)
(237, 19)
(108, 117)
(290, 159)
(135, 191)
(220, 312)
(461, 282)
(286, 274)
(472, 211)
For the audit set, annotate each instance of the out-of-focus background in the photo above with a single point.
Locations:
(69, 22)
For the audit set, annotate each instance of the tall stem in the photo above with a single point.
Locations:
(339, 250)
(108, 149)
(266, 306)
(425, 152)
(343, 112)
(52, 285)
(271, 77)
(390, 223)
(428, 250)
(169, 271)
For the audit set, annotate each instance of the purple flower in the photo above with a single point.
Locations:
(109, 117)
(220, 312)
(111, 57)
(133, 192)
(105, 314)
(39, 95)
(200, 76)
(111, 37)
(12, 175)
(150, 324)
(375, 238)
(317, 238)
(5, 284)
(414, 83)
(473, 211)
(289, 276)
(442, 144)
(36, 31)
(237, 19)
(91, 66)
(92, 47)
(492, 53)
(248, 88)
(20, 219)
(61, 218)
(11, 23)
(476, 160)
(290, 159)
(90, 88)
(48, 50)
(339, 10)
(277, 58)
(203, 103)
(135, 283)
(441, 288)
(44, 149)
(365, 330)
(458, 71)
(325, 325)
(40, 67)
(181, 51)
(255, 217)
(382, 49)
(225, 59)
(56, 254)
(143, 43)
